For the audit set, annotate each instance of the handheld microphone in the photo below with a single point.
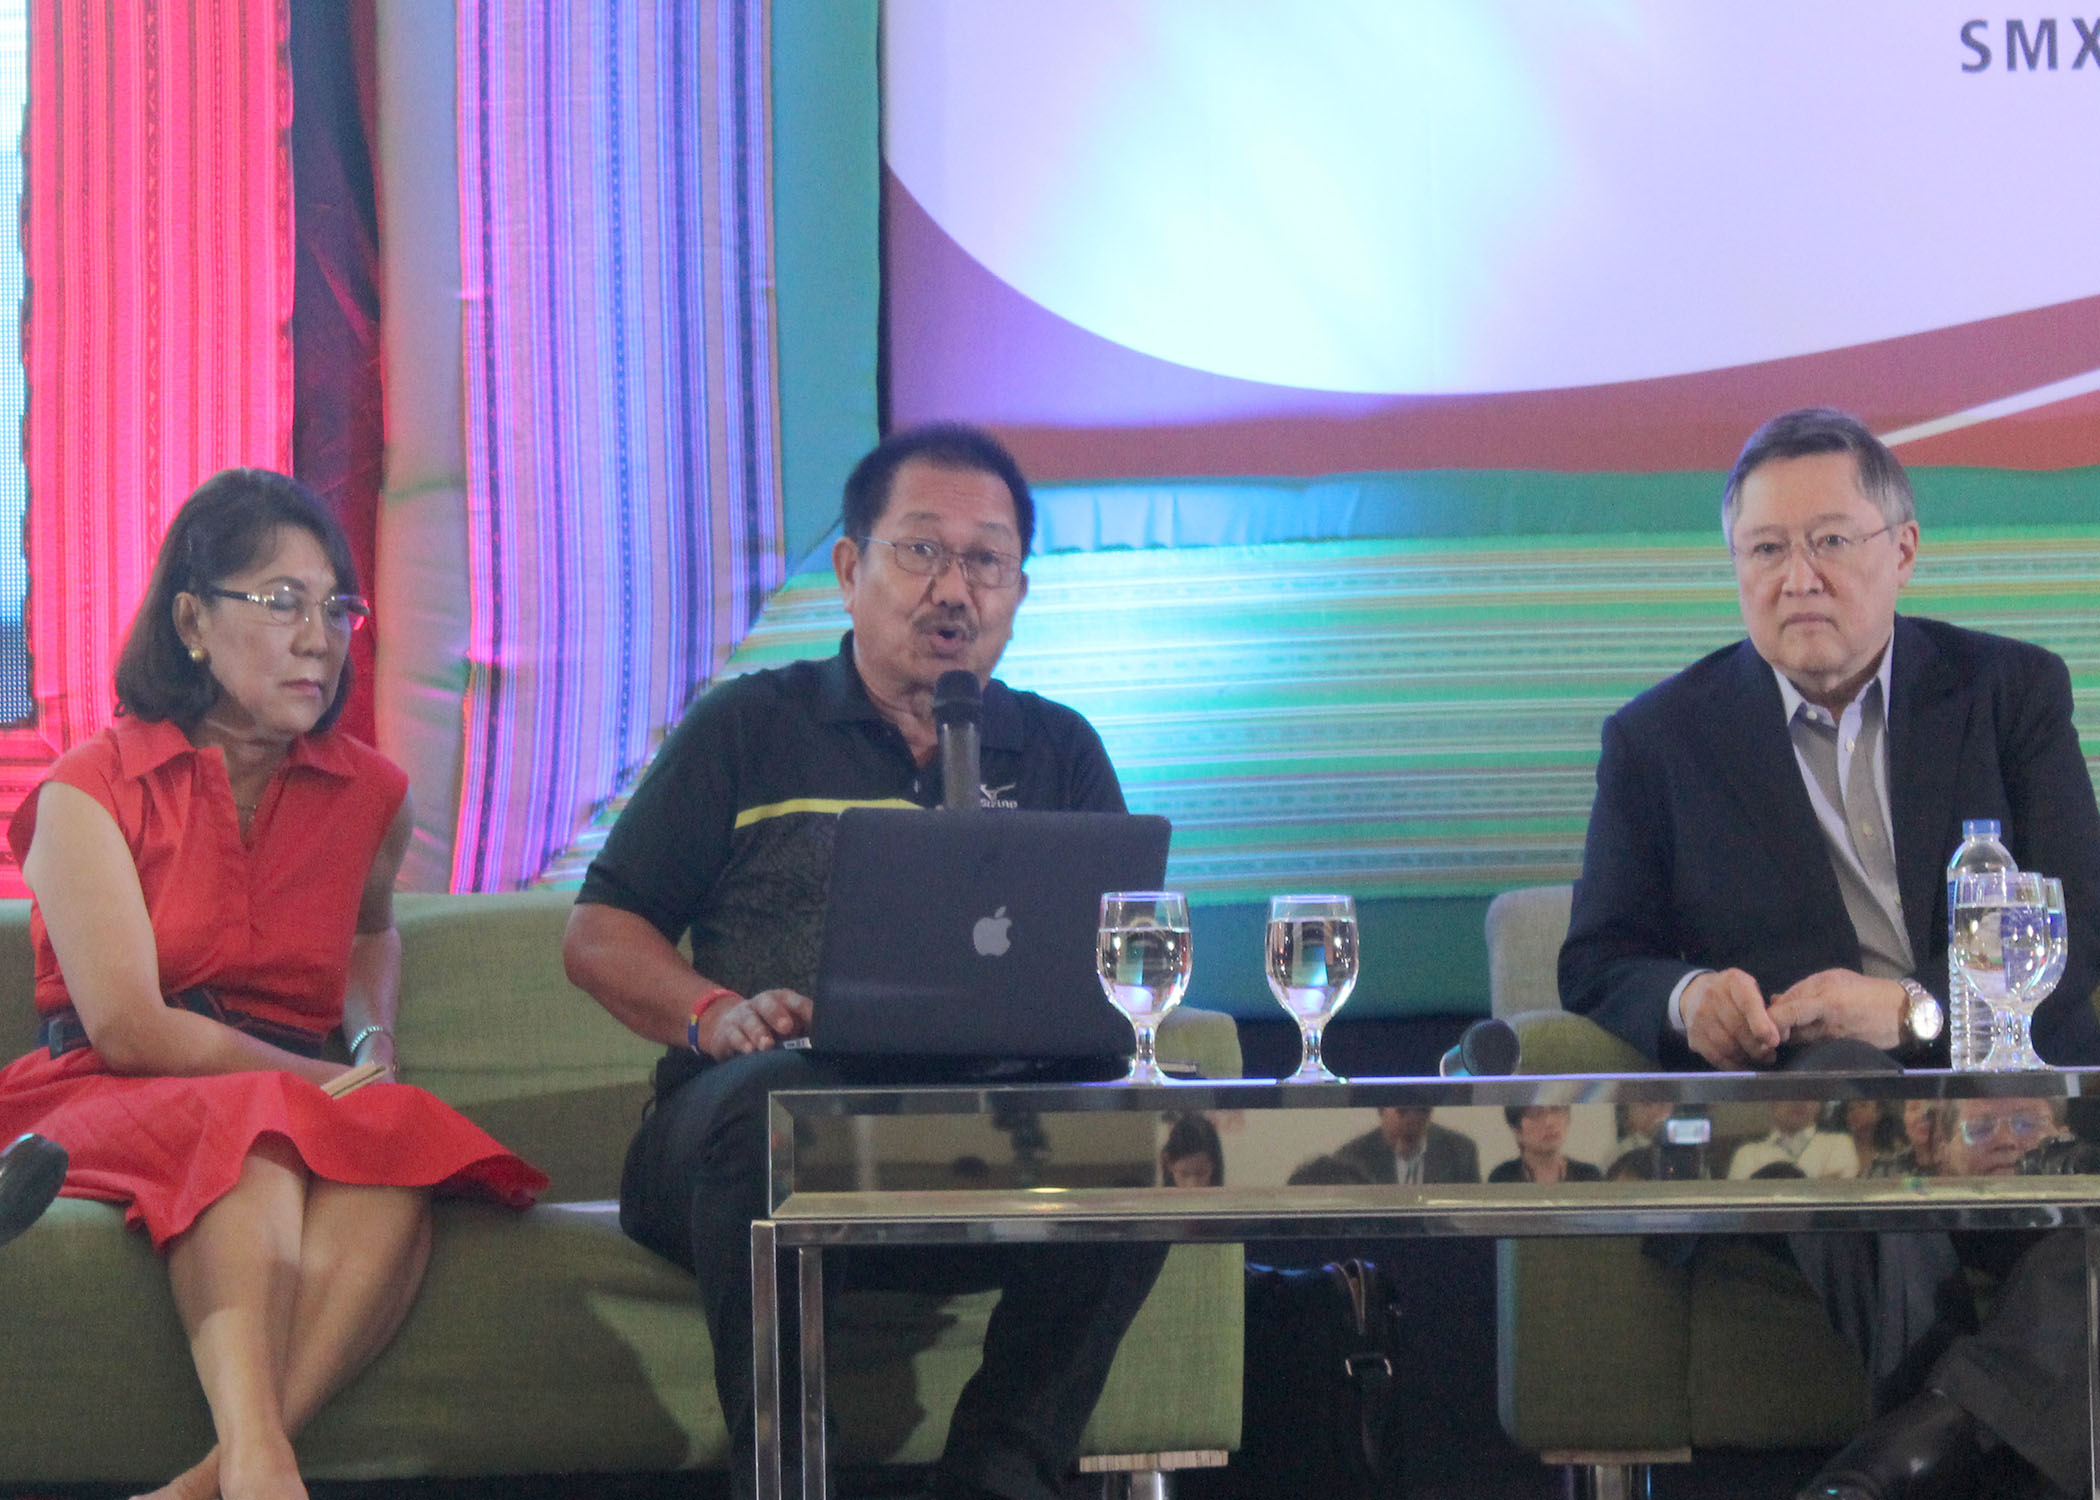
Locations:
(1487, 1049)
(958, 702)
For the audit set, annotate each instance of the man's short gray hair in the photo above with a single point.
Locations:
(1824, 429)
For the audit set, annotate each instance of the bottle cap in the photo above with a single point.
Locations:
(1979, 828)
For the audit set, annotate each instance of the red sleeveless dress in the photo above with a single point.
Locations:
(267, 926)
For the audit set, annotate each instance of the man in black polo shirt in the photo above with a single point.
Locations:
(729, 838)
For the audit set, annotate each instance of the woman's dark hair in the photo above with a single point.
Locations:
(230, 523)
(1195, 1135)
(1515, 1113)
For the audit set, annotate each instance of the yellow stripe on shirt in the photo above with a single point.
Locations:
(831, 805)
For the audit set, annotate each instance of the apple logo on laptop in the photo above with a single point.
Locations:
(990, 934)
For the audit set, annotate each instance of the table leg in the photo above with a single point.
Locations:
(765, 1358)
(816, 1466)
(2092, 1358)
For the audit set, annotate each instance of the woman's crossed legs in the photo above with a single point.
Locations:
(288, 1286)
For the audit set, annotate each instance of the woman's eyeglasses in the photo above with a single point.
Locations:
(287, 606)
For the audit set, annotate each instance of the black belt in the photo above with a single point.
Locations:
(63, 1031)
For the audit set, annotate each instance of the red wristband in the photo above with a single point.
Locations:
(701, 1007)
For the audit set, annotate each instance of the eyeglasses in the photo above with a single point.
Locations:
(341, 614)
(981, 566)
(1824, 550)
(2023, 1128)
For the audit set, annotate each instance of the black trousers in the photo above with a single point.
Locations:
(2023, 1374)
(1902, 1300)
(695, 1179)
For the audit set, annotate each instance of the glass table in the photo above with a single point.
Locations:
(1576, 1155)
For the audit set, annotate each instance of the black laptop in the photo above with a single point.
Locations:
(972, 935)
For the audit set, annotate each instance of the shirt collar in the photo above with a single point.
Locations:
(1792, 702)
(843, 698)
(145, 745)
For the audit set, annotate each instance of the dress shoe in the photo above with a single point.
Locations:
(31, 1171)
(1926, 1449)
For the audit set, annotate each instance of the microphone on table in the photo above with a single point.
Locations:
(958, 702)
(1487, 1049)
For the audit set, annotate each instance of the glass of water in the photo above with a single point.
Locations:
(1311, 969)
(2056, 946)
(2001, 946)
(1144, 959)
(2059, 939)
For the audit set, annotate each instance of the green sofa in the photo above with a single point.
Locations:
(543, 1342)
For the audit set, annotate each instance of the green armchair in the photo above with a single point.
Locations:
(1609, 1359)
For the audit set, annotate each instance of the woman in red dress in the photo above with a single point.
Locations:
(214, 895)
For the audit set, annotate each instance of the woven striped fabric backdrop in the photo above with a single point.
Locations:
(157, 237)
(1409, 718)
(623, 490)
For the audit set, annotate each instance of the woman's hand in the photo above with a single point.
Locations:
(372, 994)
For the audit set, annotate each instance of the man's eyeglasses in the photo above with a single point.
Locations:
(287, 606)
(1824, 549)
(2025, 1129)
(925, 558)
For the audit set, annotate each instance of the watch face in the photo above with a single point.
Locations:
(1923, 1017)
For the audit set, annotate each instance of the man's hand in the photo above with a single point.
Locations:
(1840, 1003)
(1726, 1022)
(758, 1024)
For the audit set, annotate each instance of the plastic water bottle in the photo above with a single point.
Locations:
(1968, 1016)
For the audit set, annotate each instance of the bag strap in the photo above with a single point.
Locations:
(1369, 1362)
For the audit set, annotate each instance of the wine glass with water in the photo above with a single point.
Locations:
(2001, 946)
(1144, 959)
(2059, 939)
(1311, 969)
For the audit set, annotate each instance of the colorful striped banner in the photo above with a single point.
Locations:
(157, 234)
(623, 474)
(1410, 718)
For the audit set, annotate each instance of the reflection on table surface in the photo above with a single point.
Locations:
(1657, 1130)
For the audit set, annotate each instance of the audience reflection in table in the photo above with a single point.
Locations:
(1919, 1153)
(1541, 1132)
(1444, 1147)
(1994, 1137)
(1193, 1156)
(1797, 1139)
(1557, 1144)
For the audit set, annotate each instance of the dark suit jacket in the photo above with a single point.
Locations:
(1447, 1156)
(1704, 851)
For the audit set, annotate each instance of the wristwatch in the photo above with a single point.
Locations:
(1919, 1023)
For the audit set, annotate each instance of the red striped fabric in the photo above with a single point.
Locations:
(157, 239)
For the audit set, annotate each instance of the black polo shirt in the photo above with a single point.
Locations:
(729, 836)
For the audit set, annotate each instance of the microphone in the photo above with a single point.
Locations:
(1487, 1049)
(958, 701)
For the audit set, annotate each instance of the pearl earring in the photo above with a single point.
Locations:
(198, 654)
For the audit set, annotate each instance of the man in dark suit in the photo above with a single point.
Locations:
(1408, 1146)
(1765, 863)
